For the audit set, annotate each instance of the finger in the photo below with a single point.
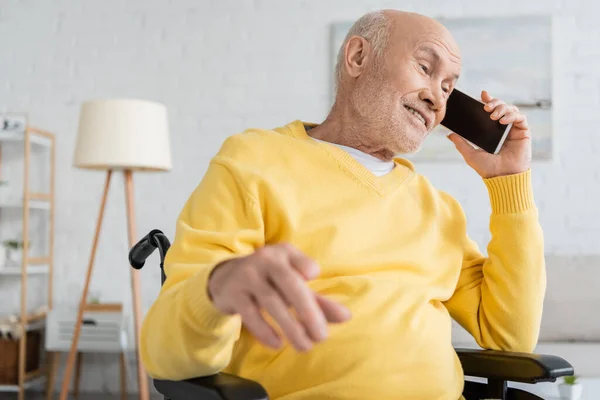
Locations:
(298, 295)
(485, 96)
(307, 267)
(521, 123)
(463, 147)
(516, 134)
(512, 117)
(270, 300)
(255, 323)
(499, 111)
(334, 312)
(490, 105)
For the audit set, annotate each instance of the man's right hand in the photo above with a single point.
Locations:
(273, 280)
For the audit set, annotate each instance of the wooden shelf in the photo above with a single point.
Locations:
(33, 374)
(40, 196)
(104, 307)
(35, 325)
(31, 270)
(18, 204)
(40, 315)
(35, 321)
(39, 201)
(35, 266)
(15, 137)
(38, 260)
(29, 383)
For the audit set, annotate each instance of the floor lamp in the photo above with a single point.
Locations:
(123, 135)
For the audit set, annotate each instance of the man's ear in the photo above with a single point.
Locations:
(357, 55)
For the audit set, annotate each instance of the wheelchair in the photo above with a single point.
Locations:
(497, 367)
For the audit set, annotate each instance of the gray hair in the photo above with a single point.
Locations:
(374, 27)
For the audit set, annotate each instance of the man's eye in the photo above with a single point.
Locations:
(446, 89)
(424, 68)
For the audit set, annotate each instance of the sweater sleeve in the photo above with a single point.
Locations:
(183, 335)
(499, 299)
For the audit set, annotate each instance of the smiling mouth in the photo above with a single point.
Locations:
(416, 114)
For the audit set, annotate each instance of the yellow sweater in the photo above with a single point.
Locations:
(393, 249)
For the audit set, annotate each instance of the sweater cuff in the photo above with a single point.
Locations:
(511, 193)
(202, 310)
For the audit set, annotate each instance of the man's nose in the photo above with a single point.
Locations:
(434, 98)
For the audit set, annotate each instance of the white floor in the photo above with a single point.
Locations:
(549, 391)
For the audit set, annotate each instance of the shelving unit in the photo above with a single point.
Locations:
(38, 139)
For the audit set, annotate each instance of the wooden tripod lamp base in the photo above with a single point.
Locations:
(135, 288)
(125, 135)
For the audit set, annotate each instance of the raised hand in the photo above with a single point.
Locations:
(515, 155)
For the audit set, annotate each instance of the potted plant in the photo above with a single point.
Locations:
(570, 388)
(14, 251)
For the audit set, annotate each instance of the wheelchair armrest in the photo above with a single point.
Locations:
(513, 366)
(215, 387)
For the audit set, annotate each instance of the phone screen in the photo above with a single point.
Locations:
(466, 117)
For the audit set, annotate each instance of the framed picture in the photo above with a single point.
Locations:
(511, 58)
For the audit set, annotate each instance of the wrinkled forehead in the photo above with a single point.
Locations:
(413, 34)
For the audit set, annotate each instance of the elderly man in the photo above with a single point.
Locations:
(314, 260)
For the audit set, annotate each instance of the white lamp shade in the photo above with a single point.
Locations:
(123, 134)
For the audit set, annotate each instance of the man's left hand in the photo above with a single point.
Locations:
(515, 155)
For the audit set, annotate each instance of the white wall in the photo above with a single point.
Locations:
(223, 65)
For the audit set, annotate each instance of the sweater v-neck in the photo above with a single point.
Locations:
(402, 172)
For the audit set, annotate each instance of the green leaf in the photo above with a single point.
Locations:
(14, 244)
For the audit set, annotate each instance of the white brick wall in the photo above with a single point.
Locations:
(223, 65)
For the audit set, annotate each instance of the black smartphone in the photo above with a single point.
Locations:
(466, 117)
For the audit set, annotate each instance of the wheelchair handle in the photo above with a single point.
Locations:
(146, 246)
